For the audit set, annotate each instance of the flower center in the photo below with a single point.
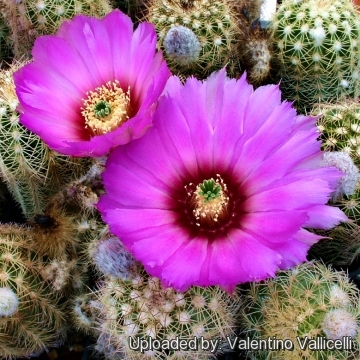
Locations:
(106, 108)
(209, 201)
(102, 109)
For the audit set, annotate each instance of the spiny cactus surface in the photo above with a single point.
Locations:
(310, 302)
(318, 44)
(197, 36)
(33, 320)
(143, 309)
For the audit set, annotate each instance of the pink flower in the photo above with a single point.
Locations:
(220, 190)
(92, 86)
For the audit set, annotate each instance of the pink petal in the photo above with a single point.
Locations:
(296, 195)
(325, 217)
(130, 219)
(176, 136)
(295, 150)
(249, 252)
(273, 226)
(229, 132)
(150, 192)
(156, 249)
(193, 255)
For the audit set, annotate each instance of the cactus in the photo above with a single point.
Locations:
(29, 168)
(84, 311)
(339, 127)
(260, 58)
(340, 247)
(318, 48)
(31, 318)
(197, 36)
(28, 19)
(342, 160)
(141, 308)
(255, 44)
(111, 258)
(310, 300)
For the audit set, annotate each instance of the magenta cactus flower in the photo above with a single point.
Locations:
(221, 189)
(92, 86)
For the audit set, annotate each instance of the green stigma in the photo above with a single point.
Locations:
(209, 190)
(102, 109)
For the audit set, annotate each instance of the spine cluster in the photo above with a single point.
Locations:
(196, 36)
(317, 43)
(310, 301)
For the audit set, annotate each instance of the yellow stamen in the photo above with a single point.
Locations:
(119, 103)
(209, 211)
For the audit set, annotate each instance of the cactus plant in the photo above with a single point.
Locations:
(340, 247)
(343, 161)
(255, 44)
(28, 19)
(24, 159)
(142, 309)
(31, 318)
(111, 258)
(318, 48)
(197, 36)
(30, 170)
(84, 311)
(339, 127)
(310, 301)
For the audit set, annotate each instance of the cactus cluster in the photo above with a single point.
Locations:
(310, 301)
(31, 318)
(197, 36)
(339, 127)
(142, 308)
(318, 45)
(255, 44)
(24, 159)
(28, 19)
(84, 311)
(31, 171)
(342, 160)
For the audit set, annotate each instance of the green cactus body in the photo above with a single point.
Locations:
(31, 171)
(38, 321)
(28, 19)
(143, 309)
(24, 158)
(318, 47)
(310, 300)
(212, 44)
(46, 15)
(339, 127)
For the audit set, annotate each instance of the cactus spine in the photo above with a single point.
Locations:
(142, 308)
(29, 19)
(29, 168)
(310, 300)
(208, 42)
(318, 48)
(37, 321)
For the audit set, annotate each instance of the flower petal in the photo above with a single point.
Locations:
(83, 56)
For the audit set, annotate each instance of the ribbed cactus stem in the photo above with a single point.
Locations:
(310, 301)
(197, 36)
(142, 308)
(318, 45)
